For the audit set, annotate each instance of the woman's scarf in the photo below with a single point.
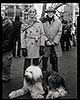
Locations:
(29, 23)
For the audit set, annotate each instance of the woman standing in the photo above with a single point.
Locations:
(31, 39)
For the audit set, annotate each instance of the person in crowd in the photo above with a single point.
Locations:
(17, 27)
(53, 31)
(66, 36)
(7, 46)
(73, 33)
(32, 39)
(63, 37)
(69, 25)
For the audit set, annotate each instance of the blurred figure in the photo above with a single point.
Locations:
(53, 31)
(17, 27)
(31, 39)
(66, 36)
(7, 46)
(63, 37)
(73, 33)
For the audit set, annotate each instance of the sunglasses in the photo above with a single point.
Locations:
(32, 12)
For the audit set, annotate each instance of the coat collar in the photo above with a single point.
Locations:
(44, 19)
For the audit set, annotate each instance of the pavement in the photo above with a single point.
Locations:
(67, 68)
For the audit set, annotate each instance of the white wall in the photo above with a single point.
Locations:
(38, 7)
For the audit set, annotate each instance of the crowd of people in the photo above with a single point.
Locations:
(47, 37)
(69, 34)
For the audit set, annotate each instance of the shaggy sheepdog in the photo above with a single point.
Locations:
(50, 85)
(53, 85)
(32, 83)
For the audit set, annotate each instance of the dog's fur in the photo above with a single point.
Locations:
(50, 85)
(54, 85)
(32, 83)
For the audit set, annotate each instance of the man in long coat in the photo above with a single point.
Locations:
(53, 31)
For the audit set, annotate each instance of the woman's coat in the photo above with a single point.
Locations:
(32, 38)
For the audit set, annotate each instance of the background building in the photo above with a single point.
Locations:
(14, 9)
(68, 11)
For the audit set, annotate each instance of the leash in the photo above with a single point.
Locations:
(40, 59)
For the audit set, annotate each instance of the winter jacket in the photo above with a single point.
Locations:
(32, 38)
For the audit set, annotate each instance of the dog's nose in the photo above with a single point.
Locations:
(25, 75)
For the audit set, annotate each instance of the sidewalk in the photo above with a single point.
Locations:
(67, 68)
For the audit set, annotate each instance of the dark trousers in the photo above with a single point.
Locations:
(53, 61)
(67, 42)
(7, 61)
(27, 62)
(62, 44)
(74, 40)
(18, 48)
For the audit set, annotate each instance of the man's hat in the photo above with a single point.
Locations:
(50, 9)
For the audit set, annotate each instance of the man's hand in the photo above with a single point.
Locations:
(48, 43)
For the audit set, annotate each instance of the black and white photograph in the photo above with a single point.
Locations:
(39, 50)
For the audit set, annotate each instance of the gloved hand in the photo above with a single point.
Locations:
(41, 51)
(47, 43)
(24, 52)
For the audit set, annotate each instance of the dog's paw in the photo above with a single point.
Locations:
(62, 91)
(49, 95)
(52, 95)
(56, 94)
(12, 95)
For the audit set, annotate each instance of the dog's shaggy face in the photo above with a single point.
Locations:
(32, 83)
(33, 73)
(56, 85)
